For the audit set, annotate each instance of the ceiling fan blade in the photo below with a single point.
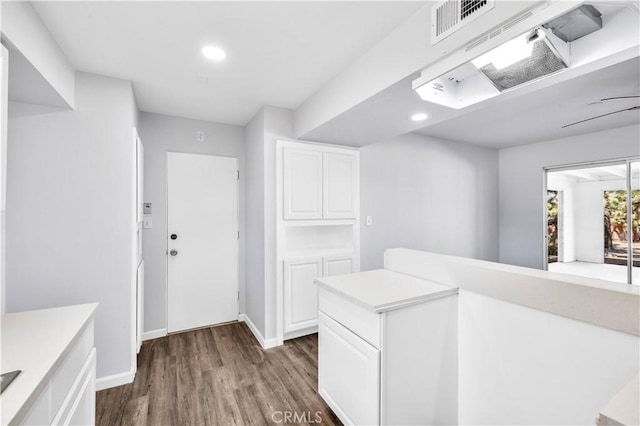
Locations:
(603, 115)
(619, 97)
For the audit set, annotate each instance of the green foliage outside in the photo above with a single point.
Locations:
(615, 202)
(552, 225)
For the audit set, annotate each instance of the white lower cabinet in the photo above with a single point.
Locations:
(338, 265)
(351, 373)
(69, 396)
(300, 292)
(395, 367)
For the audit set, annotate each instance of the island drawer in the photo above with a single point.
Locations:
(364, 323)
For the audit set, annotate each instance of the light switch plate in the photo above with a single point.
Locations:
(147, 222)
(369, 221)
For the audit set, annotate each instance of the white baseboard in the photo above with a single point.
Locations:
(299, 333)
(154, 334)
(265, 343)
(115, 380)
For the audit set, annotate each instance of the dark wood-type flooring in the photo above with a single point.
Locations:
(219, 376)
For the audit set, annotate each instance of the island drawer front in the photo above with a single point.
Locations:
(79, 405)
(51, 398)
(68, 371)
(364, 323)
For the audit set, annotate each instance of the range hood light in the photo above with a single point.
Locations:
(510, 52)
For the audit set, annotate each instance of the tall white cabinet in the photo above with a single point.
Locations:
(318, 223)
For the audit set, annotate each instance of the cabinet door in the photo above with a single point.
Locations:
(348, 373)
(340, 181)
(302, 176)
(338, 265)
(79, 406)
(300, 293)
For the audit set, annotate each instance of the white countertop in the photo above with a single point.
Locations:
(382, 290)
(624, 407)
(36, 342)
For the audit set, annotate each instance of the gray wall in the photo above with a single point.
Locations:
(161, 134)
(254, 185)
(278, 124)
(267, 126)
(428, 194)
(70, 212)
(521, 185)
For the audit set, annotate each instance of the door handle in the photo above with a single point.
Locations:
(173, 252)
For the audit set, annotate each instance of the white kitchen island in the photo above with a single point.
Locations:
(387, 345)
(54, 348)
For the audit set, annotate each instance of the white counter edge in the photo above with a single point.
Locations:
(28, 402)
(611, 305)
(387, 306)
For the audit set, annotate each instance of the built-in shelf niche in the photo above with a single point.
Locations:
(319, 239)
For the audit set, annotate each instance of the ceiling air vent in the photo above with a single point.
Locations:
(449, 16)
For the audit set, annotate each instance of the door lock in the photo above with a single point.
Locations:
(173, 252)
(174, 237)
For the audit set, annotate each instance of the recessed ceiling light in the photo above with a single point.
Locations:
(420, 116)
(214, 53)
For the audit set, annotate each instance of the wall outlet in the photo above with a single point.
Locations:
(146, 208)
(200, 136)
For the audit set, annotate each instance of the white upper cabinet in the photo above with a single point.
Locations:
(319, 185)
(339, 180)
(302, 184)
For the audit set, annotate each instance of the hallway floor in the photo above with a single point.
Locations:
(219, 376)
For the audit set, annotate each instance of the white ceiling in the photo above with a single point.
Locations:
(532, 117)
(278, 53)
(534, 112)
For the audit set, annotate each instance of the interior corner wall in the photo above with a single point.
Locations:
(521, 199)
(70, 212)
(428, 194)
(254, 178)
(161, 134)
(22, 26)
(278, 124)
(267, 126)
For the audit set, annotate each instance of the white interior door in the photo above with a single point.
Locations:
(203, 257)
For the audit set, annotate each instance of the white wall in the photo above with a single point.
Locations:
(428, 194)
(521, 366)
(3, 167)
(254, 185)
(70, 213)
(267, 126)
(22, 26)
(278, 124)
(160, 134)
(521, 200)
(589, 203)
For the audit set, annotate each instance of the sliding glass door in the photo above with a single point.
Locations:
(592, 218)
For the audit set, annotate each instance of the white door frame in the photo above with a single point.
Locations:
(166, 284)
